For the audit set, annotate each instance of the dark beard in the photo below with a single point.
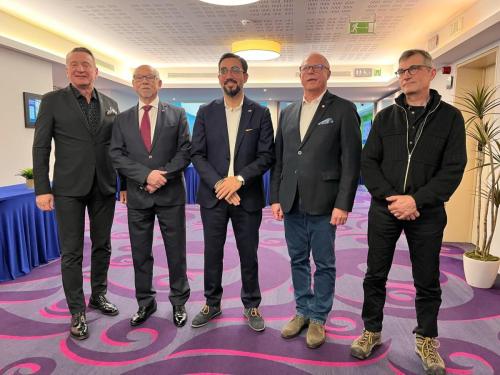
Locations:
(231, 92)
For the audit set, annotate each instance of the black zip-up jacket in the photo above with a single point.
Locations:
(432, 171)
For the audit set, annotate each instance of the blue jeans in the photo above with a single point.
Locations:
(305, 233)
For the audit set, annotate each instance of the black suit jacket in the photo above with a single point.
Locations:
(254, 151)
(170, 153)
(79, 155)
(324, 167)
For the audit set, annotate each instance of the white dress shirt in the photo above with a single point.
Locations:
(153, 114)
(233, 116)
(307, 113)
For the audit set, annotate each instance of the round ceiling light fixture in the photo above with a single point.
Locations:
(229, 2)
(257, 49)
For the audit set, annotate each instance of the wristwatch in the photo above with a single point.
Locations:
(241, 179)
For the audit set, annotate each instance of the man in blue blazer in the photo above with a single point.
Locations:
(313, 183)
(232, 149)
(79, 119)
(150, 146)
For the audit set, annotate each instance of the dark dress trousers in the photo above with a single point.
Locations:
(84, 178)
(169, 152)
(253, 157)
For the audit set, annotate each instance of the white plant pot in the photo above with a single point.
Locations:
(480, 274)
(30, 183)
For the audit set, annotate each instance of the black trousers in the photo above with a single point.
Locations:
(172, 221)
(424, 236)
(70, 213)
(246, 232)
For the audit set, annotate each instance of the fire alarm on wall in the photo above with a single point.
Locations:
(446, 69)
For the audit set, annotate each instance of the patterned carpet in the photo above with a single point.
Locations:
(34, 316)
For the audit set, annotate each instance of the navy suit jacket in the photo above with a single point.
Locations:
(324, 166)
(170, 153)
(254, 151)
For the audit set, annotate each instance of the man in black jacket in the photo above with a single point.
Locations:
(79, 119)
(412, 163)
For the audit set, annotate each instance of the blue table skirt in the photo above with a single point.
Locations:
(193, 180)
(28, 236)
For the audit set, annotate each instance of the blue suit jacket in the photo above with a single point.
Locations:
(170, 153)
(254, 151)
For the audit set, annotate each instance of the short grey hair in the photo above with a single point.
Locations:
(155, 71)
(409, 53)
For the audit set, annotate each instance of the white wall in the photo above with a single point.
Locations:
(19, 73)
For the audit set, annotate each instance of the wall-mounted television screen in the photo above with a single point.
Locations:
(31, 106)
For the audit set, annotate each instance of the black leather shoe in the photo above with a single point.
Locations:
(143, 314)
(79, 329)
(102, 304)
(180, 315)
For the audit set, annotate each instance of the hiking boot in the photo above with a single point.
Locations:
(255, 320)
(426, 349)
(294, 327)
(315, 335)
(205, 315)
(362, 347)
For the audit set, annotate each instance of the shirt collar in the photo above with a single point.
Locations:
(238, 107)
(155, 103)
(78, 94)
(314, 101)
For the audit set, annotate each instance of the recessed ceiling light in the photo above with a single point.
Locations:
(229, 2)
(257, 49)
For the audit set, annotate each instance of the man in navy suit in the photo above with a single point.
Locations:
(79, 119)
(313, 183)
(232, 149)
(150, 146)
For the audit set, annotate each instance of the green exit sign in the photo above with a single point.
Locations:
(361, 27)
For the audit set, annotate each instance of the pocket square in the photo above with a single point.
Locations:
(111, 111)
(249, 130)
(327, 121)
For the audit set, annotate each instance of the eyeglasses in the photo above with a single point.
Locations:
(149, 78)
(411, 70)
(316, 68)
(234, 69)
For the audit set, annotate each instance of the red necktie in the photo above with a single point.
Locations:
(146, 128)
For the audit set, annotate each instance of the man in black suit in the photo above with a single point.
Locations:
(232, 149)
(150, 146)
(80, 120)
(313, 183)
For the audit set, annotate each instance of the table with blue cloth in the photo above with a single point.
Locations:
(193, 180)
(28, 236)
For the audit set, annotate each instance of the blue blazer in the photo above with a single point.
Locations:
(170, 153)
(254, 151)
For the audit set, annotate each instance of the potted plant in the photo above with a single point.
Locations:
(27, 173)
(482, 104)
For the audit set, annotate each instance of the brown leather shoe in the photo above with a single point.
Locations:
(79, 329)
(294, 327)
(315, 335)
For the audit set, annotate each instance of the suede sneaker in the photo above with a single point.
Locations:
(316, 335)
(363, 346)
(206, 314)
(294, 327)
(255, 320)
(426, 349)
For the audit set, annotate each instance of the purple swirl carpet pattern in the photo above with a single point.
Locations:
(34, 318)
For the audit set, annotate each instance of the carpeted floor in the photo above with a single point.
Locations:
(34, 317)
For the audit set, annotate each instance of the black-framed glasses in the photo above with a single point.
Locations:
(149, 77)
(234, 69)
(411, 70)
(316, 68)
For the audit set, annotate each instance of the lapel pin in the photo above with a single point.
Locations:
(322, 106)
(249, 110)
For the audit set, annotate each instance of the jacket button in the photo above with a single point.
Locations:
(300, 152)
(150, 156)
(295, 171)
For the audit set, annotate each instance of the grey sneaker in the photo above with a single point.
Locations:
(426, 349)
(205, 315)
(362, 347)
(294, 327)
(255, 320)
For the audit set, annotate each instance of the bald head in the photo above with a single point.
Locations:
(146, 83)
(149, 68)
(314, 75)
